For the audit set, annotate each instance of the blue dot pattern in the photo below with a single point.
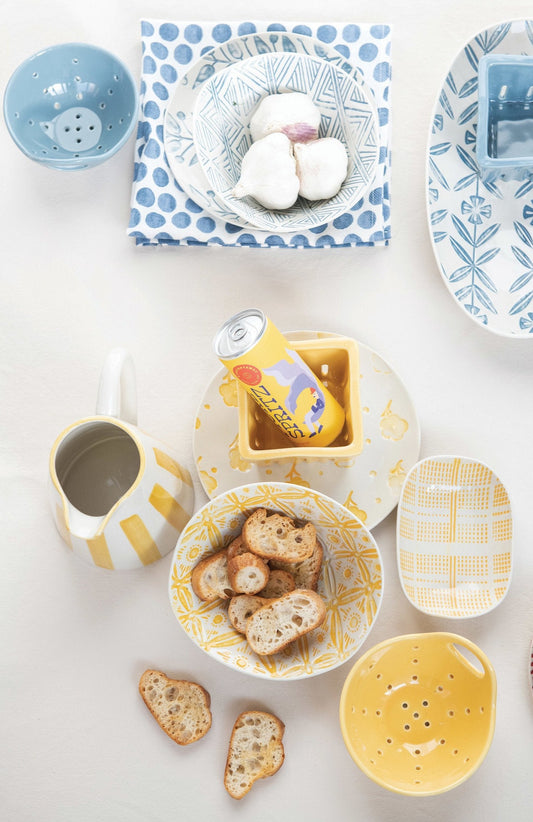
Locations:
(162, 214)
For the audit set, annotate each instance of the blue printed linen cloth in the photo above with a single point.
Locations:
(163, 214)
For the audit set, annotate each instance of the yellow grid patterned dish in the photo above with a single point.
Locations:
(454, 537)
(351, 582)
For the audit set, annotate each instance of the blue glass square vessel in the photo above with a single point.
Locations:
(504, 147)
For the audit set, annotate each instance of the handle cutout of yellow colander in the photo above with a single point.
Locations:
(469, 656)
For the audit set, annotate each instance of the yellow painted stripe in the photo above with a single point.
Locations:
(453, 502)
(169, 508)
(139, 536)
(169, 464)
(100, 552)
(62, 526)
(453, 578)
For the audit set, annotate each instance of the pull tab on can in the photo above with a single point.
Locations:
(278, 379)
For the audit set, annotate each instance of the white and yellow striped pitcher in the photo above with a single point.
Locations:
(120, 498)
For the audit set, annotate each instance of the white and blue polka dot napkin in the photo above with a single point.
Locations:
(161, 212)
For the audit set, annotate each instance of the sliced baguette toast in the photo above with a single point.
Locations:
(247, 573)
(181, 708)
(209, 578)
(281, 621)
(255, 751)
(279, 582)
(305, 573)
(236, 547)
(277, 537)
(241, 608)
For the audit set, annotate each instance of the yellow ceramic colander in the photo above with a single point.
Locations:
(417, 712)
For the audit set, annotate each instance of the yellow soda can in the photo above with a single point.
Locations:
(275, 375)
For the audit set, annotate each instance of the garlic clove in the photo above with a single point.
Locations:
(292, 112)
(268, 173)
(322, 166)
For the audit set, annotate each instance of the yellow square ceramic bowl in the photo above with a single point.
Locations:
(417, 712)
(335, 362)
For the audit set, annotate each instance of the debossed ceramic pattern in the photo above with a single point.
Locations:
(227, 102)
(482, 231)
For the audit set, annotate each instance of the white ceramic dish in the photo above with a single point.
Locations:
(222, 136)
(350, 583)
(482, 232)
(454, 537)
(178, 130)
(368, 485)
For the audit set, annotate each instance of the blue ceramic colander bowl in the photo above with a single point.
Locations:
(71, 106)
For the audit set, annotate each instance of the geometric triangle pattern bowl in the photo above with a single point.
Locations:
(222, 137)
(351, 581)
(454, 540)
(417, 712)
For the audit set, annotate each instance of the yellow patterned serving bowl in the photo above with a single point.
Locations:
(417, 712)
(351, 582)
(454, 537)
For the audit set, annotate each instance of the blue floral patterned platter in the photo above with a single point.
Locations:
(482, 231)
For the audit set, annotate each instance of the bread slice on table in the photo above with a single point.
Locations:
(279, 582)
(181, 708)
(209, 577)
(247, 573)
(277, 537)
(305, 573)
(255, 751)
(283, 620)
(241, 608)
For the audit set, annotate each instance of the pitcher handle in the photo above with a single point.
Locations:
(117, 391)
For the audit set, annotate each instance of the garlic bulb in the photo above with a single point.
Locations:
(322, 166)
(268, 173)
(292, 113)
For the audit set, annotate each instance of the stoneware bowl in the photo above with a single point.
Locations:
(417, 712)
(222, 115)
(70, 106)
(351, 581)
(454, 537)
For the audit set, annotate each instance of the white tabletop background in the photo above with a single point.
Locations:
(77, 740)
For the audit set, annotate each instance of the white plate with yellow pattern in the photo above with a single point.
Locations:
(351, 581)
(455, 534)
(368, 485)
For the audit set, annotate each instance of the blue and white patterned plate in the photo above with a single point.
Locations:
(163, 212)
(179, 119)
(482, 232)
(222, 137)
